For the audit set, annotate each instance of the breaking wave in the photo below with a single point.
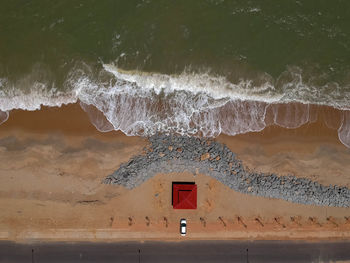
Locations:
(32, 91)
(200, 104)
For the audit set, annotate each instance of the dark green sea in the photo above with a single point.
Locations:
(200, 67)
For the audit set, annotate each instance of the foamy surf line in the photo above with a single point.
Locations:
(143, 104)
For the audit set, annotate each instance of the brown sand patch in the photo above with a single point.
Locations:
(52, 163)
(312, 151)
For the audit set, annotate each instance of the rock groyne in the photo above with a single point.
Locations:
(168, 154)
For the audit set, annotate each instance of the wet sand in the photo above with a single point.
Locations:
(52, 163)
(312, 151)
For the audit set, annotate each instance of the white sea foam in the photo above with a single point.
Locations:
(217, 87)
(344, 129)
(36, 98)
(32, 91)
(140, 103)
(290, 115)
(143, 104)
(4, 115)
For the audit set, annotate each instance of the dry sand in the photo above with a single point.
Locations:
(52, 162)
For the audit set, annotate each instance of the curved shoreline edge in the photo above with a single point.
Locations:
(288, 116)
(169, 154)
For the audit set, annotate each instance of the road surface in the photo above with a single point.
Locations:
(186, 251)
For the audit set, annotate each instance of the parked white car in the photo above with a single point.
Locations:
(183, 225)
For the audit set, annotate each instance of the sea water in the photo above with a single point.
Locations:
(198, 68)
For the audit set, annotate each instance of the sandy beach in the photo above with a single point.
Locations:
(52, 163)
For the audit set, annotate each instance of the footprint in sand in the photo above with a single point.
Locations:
(208, 205)
(148, 221)
(204, 222)
(130, 221)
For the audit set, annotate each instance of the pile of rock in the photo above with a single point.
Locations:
(168, 154)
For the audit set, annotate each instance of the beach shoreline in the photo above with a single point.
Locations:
(54, 160)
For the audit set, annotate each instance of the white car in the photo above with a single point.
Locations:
(183, 224)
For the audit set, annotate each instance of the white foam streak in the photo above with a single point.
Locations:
(290, 116)
(217, 87)
(97, 118)
(344, 129)
(4, 115)
(139, 103)
(146, 104)
(34, 100)
(31, 92)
